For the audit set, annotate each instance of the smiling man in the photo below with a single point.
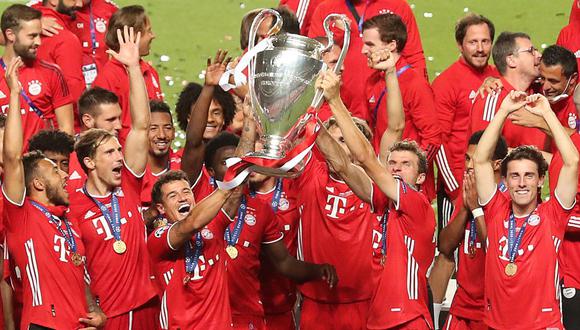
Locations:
(524, 235)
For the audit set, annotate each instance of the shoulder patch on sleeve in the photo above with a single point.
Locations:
(159, 232)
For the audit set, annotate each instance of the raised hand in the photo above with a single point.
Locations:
(12, 74)
(381, 60)
(537, 104)
(128, 47)
(469, 191)
(50, 26)
(514, 101)
(491, 85)
(329, 82)
(216, 68)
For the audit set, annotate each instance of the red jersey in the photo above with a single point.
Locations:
(64, 49)
(537, 276)
(278, 293)
(46, 87)
(454, 91)
(202, 303)
(335, 228)
(121, 282)
(150, 178)
(92, 35)
(115, 78)
(421, 124)
(484, 110)
(468, 301)
(303, 10)
(401, 294)
(259, 227)
(569, 39)
(356, 72)
(53, 287)
(203, 186)
(76, 175)
(570, 256)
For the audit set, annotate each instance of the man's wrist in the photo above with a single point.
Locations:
(477, 212)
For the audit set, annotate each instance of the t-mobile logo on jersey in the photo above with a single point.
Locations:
(102, 226)
(336, 205)
(503, 249)
(60, 248)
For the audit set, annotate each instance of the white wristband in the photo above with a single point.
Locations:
(478, 212)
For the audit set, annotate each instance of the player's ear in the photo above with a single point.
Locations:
(496, 165)
(541, 182)
(10, 35)
(38, 184)
(511, 61)
(88, 120)
(160, 208)
(420, 179)
(89, 163)
(573, 79)
(392, 46)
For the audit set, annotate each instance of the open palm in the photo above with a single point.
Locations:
(128, 46)
(216, 68)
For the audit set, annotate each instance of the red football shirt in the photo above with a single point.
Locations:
(64, 49)
(203, 186)
(260, 227)
(278, 293)
(303, 10)
(454, 91)
(92, 38)
(569, 39)
(202, 303)
(46, 86)
(484, 110)
(570, 256)
(150, 178)
(115, 78)
(537, 278)
(356, 72)
(121, 282)
(76, 175)
(401, 294)
(336, 228)
(53, 288)
(468, 301)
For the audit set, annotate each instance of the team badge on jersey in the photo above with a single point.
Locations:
(372, 99)
(34, 87)
(206, 233)
(250, 220)
(572, 120)
(534, 220)
(569, 293)
(159, 232)
(100, 25)
(284, 204)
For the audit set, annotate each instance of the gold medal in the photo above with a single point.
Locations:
(119, 247)
(76, 259)
(511, 269)
(471, 250)
(232, 251)
(186, 279)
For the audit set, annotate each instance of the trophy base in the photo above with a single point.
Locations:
(274, 148)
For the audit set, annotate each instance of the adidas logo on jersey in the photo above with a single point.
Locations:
(74, 176)
(472, 95)
(2, 95)
(372, 99)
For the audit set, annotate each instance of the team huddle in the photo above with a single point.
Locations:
(106, 226)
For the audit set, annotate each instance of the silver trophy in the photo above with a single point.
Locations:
(281, 83)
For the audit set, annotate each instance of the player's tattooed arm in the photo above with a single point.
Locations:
(296, 270)
(137, 139)
(95, 318)
(201, 215)
(192, 159)
(248, 138)
(14, 184)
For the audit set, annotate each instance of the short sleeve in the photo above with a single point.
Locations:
(457, 206)
(132, 180)
(313, 172)
(272, 231)
(408, 199)
(158, 243)
(560, 215)
(60, 90)
(379, 199)
(496, 203)
(15, 216)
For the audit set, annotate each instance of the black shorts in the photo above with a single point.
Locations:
(571, 307)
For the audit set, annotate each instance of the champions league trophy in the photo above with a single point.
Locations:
(282, 71)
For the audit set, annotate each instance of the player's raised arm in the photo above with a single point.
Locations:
(567, 181)
(14, 185)
(192, 159)
(482, 159)
(137, 139)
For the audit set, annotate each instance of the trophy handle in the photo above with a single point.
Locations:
(318, 97)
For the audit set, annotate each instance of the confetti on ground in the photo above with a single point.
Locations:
(427, 15)
(430, 58)
(465, 10)
(544, 46)
(242, 5)
(412, 6)
(164, 58)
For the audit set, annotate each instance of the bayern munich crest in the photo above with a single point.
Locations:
(34, 87)
(284, 204)
(250, 220)
(534, 220)
(206, 233)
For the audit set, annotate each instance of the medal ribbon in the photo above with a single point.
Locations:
(384, 221)
(92, 29)
(232, 238)
(399, 72)
(68, 235)
(113, 217)
(360, 19)
(472, 231)
(28, 100)
(513, 240)
(276, 197)
(192, 254)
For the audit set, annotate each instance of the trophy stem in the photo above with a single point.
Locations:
(273, 147)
